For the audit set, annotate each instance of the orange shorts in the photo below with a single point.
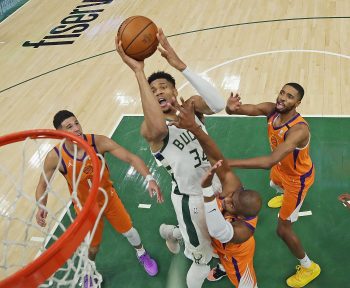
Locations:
(295, 189)
(237, 260)
(116, 214)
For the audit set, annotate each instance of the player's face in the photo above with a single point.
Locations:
(231, 204)
(72, 125)
(165, 93)
(287, 100)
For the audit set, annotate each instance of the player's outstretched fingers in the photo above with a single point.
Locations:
(177, 112)
(217, 165)
(162, 38)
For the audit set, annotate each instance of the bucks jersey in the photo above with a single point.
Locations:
(185, 160)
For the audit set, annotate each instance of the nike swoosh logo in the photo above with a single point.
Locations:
(212, 210)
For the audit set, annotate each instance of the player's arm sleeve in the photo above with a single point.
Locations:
(218, 227)
(207, 91)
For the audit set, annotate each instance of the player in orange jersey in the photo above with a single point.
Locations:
(233, 224)
(291, 167)
(115, 211)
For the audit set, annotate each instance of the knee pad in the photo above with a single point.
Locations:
(133, 237)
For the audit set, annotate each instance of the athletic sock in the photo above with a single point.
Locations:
(305, 262)
(140, 251)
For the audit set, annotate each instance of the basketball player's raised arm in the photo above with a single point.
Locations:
(154, 128)
(105, 144)
(294, 139)
(50, 165)
(220, 229)
(209, 100)
(235, 106)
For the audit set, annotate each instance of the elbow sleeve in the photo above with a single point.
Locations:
(207, 91)
(218, 227)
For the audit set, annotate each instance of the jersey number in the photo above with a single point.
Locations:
(198, 158)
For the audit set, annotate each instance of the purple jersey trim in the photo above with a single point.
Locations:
(285, 134)
(302, 181)
(62, 162)
(70, 155)
(285, 124)
(250, 226)
(235, 265)
(93, 143)
(295, 157)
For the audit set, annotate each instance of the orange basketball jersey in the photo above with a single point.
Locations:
(298, 162)
(237, 259)
(86, 176)
(232, 249)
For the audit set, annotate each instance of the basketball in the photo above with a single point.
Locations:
(139, 37)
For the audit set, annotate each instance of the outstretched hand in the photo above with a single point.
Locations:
(41, 215)
(132, 63)
(208, 177)
(153, 189)
(233, 103)
(168, 52)
(185, 115)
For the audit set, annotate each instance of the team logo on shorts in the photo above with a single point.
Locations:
(88, 170)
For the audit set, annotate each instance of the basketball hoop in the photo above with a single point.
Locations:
(39, 270)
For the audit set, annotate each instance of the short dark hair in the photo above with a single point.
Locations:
(297, 87)
(161, 75)
(60, 116)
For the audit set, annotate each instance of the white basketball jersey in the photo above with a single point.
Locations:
(185, 160)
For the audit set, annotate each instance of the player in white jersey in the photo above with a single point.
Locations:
(178, 150)
(185, 160)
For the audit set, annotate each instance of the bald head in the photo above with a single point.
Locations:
(250, 203)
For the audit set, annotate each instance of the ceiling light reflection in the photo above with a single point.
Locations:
(231, 82)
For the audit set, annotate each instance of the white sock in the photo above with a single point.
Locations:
(140, 251)
(278, 189)
(305, 262)
(196, 275)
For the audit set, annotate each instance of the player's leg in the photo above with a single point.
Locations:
(239, 265)
(96, 240)
(293, 200)
(196, 275)
(276, 184)
(120, 219)
(191, 218)
(87, 280)
(308, 270)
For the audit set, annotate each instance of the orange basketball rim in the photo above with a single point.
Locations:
(36, 272)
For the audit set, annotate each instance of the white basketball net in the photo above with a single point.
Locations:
(22, 239)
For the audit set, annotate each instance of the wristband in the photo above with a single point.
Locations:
(208, 191)
(149, 177)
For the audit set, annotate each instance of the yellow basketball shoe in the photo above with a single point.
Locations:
(275, 202)
(303, 275)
